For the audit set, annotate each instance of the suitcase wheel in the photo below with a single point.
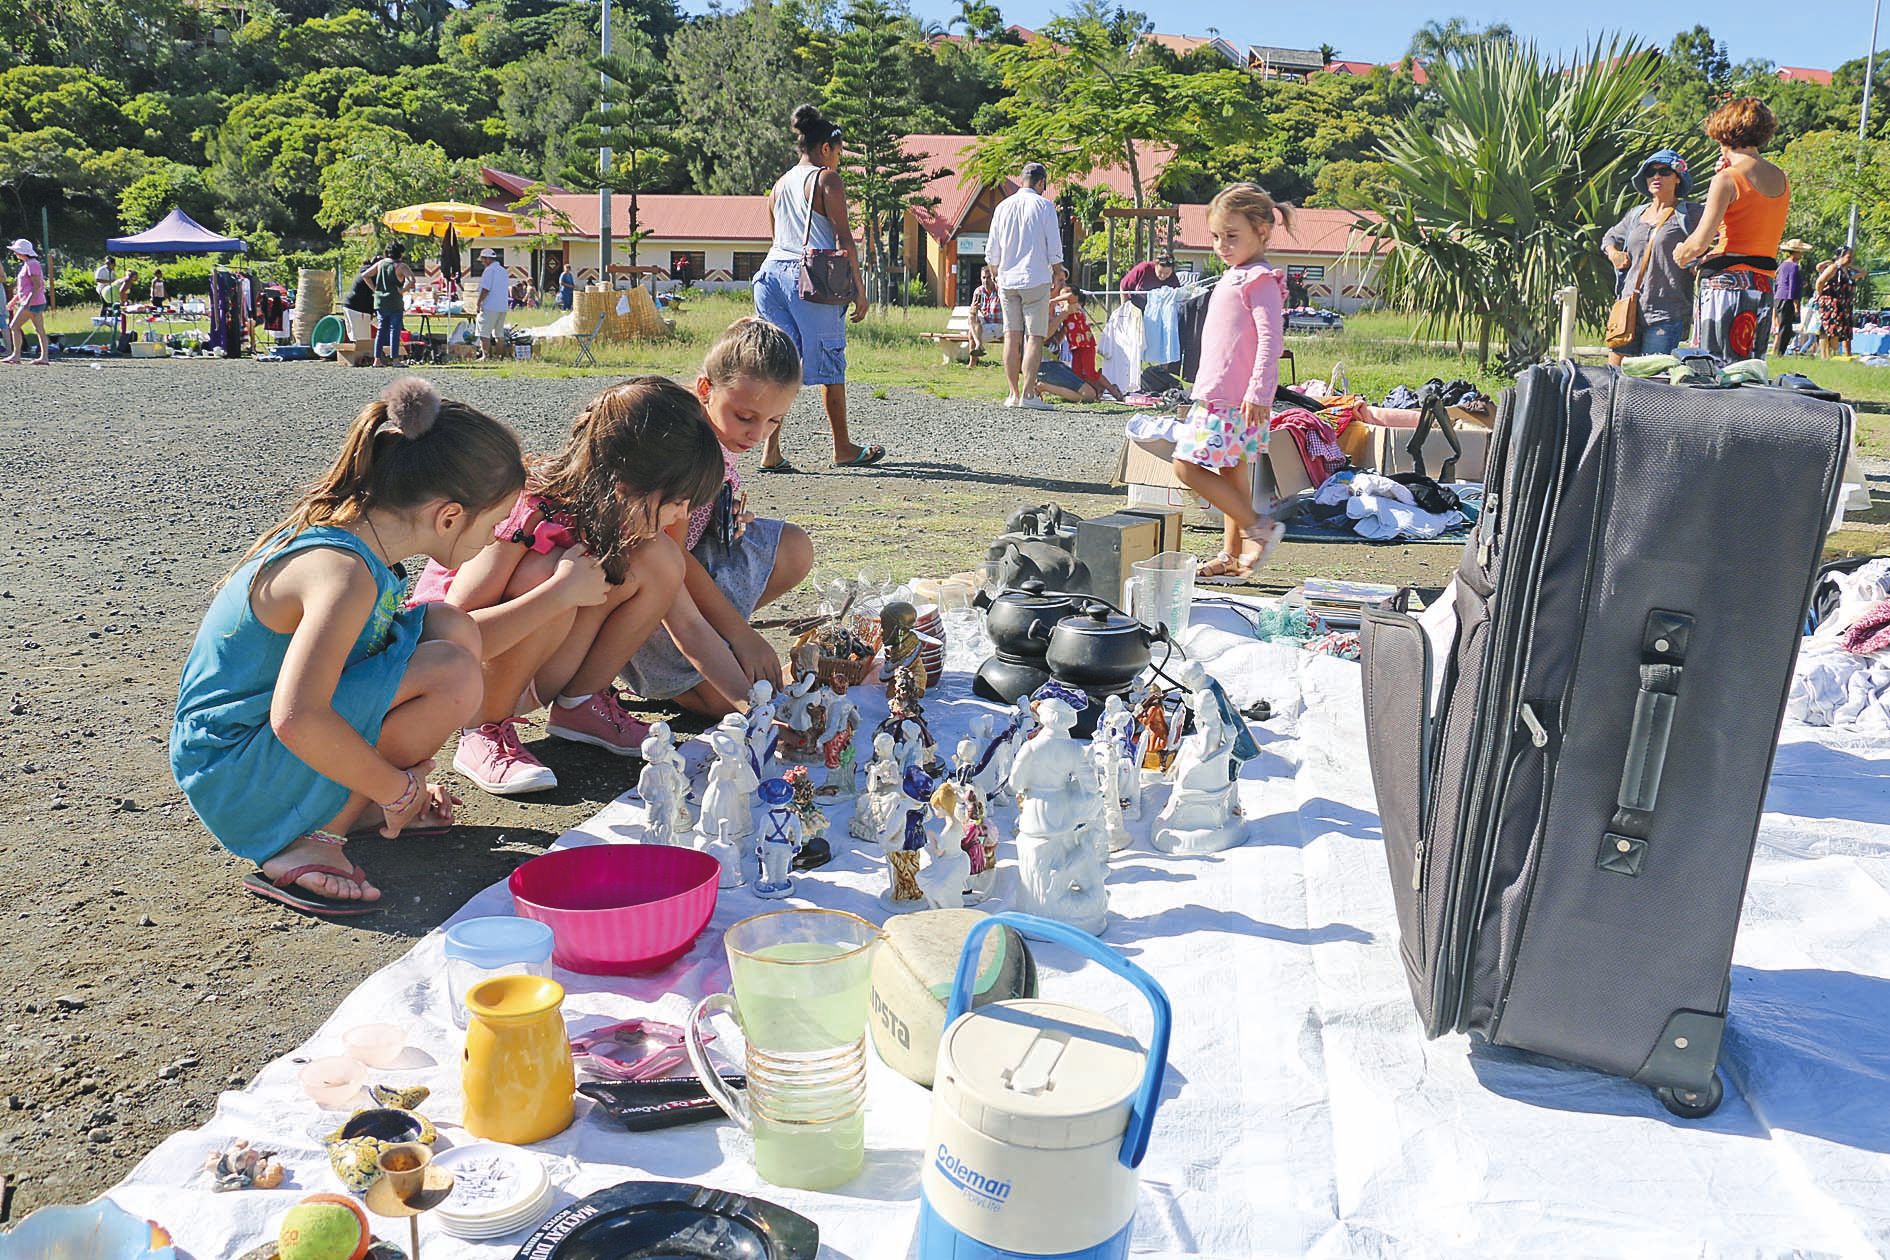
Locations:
(1692, 1104)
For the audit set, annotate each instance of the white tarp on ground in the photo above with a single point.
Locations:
(1304, 1113)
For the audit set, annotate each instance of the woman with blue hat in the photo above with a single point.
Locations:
(1641, 247)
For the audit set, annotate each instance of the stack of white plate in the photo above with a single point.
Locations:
(497, 1190)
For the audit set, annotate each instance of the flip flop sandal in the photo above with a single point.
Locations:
(868, 456)
(284, 889)
(783, 467)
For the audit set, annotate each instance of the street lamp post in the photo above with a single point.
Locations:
(603, 154)
(1863, 118)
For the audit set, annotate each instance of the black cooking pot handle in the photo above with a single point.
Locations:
(1158, 635)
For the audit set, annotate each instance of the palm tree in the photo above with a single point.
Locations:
(1327, 54)
(1502, 201)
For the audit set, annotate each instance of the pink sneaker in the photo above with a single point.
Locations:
(601, 721)
(492, 757)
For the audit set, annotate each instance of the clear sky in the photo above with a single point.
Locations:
(1821, 34)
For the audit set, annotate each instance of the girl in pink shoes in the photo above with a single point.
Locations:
(312, 704)
(736, 561)
(1225, 430)
(579, 575)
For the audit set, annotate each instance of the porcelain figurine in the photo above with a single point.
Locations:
(837, 752)
(801, 717)
(903, 695)
(946, 879)
(960, 807)
(728, 802)
(780, 841)
(760, 724)
(902, 839)
(815, 852)
(1152, 753)
(1112, 761)
(1062, 875)
(882, 789)
(1202, 815)
(664, 787)
(904, 648)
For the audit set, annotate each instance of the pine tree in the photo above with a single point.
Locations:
(636, 119)
(871, 97)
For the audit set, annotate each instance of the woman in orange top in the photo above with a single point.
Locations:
(1738, 235)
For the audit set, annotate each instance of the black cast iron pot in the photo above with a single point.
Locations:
(1099, 650)
(1019, 621)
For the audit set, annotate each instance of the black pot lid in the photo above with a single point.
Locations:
(1100, 621)
(1031, 595)
(661, 1220)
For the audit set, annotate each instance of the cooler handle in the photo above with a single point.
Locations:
(1148, 1094)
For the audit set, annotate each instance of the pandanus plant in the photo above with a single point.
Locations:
(1502, 201)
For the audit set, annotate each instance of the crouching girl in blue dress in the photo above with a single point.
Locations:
(312, 704)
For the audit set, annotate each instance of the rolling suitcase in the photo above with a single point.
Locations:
(1570, 789)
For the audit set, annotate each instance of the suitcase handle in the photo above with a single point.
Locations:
(1432, 411)
(1664, 641)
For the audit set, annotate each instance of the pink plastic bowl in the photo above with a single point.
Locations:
(618, 909)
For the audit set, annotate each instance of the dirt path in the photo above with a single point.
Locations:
(138, 981)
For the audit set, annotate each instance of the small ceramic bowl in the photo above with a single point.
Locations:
(375, 1045)
(333, 1081)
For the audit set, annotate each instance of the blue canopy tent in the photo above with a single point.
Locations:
(176, 233)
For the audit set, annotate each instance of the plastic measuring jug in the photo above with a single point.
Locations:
(1038, 1106)
(801, 981)
(1160, 590)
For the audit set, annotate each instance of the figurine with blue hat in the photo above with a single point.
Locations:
(780, 841)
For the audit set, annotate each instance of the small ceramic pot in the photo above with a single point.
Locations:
(1019, 620)
(1099, 649)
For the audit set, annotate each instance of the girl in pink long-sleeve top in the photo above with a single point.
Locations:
(1226, 429)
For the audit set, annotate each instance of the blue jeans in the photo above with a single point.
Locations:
(819, 332)
(387, 333)
(1661, 338)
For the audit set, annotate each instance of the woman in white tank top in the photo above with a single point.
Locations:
(808, 206)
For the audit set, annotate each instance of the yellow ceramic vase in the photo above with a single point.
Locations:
(517, 1070)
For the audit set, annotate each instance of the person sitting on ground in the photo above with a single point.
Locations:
(987, 316)
(492, 304)
(311, 705)
(578, 575)
(1226, 429)
(1738, 235)
(737, 561)
(1078, 380)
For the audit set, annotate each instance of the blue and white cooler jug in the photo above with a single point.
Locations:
(1040, 1117)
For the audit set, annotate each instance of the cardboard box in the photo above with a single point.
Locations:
(1148, 470)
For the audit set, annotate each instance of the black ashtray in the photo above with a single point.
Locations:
(655, 1220)
(389, 1124)
(644, 1106)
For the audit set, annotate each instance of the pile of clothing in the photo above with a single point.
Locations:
(1843, 673)
(1405, 505)
(1457, 393)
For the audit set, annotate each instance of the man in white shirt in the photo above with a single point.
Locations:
(105, 280)
(495, 297)
(1024, 242)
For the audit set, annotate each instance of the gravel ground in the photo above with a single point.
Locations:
(139, 982)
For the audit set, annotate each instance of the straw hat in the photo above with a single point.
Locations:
(24, 248)
(1795, 246)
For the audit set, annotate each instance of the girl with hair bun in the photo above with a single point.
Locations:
(312, 704)
(808, 209)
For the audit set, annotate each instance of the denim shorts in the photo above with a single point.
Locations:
(819, 331)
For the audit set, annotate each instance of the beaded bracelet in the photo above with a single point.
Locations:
(406, 799)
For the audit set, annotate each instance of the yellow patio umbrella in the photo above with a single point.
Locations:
(469, 222)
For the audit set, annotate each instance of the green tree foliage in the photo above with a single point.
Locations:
(1502, 203)
(736, 79)
(1829, 171)
(636, 120)
(1350, 184)
(1453, 40)
(166, 187)
(1082, 99)
(543, 98)
(871, 97)
(380, 171)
